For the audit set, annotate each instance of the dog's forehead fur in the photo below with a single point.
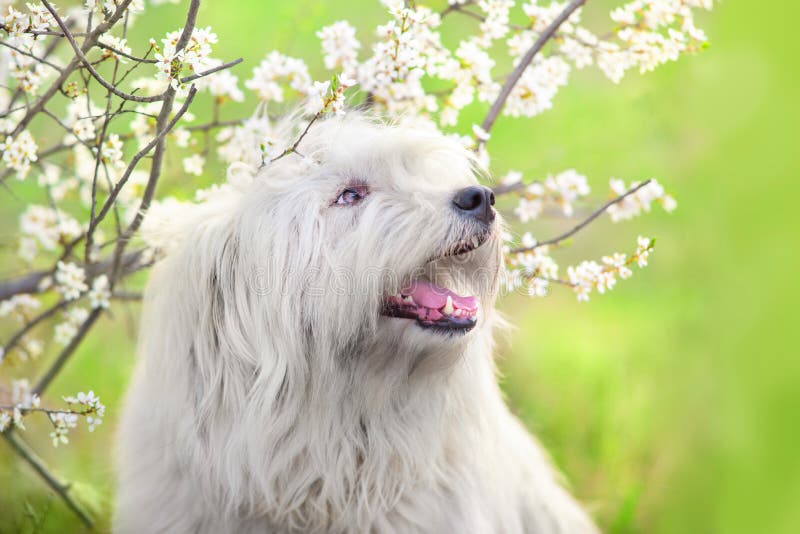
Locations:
(392, 158)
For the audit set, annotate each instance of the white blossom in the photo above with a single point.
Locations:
(495, 23)
(5, 421)
(100, 293)
(340, 46)
(244, 143)
(528, 210)
(511, 178)
(222, 84)
(276, 68)
(634, 204)
(195, 56)
(480, 134)
(567, 187)
(591, 275)
(117, 44)
(562, 189)
(643, 247)
(46, 227)
(194, 164)
(537, 87)
(19, 152)
(111, 151)
(70, 280)
(21, 306)
(317, 97)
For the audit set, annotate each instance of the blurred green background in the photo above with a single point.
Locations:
(672, 404)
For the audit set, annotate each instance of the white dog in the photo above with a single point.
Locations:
(316, 355)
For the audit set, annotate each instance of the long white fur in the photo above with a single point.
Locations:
(271, 396)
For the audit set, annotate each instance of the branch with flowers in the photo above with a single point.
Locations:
(91, 116)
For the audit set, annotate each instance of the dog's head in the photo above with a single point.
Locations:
(371, 237)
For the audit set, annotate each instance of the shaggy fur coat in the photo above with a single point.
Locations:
(271, 395)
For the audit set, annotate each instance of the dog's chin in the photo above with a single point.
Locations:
(435, 308)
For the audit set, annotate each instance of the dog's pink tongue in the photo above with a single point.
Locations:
(430, 295)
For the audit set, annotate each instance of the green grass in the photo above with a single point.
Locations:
(670, 404)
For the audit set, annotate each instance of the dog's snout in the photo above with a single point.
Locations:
(475, 201)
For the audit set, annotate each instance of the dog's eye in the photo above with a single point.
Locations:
(351, 195)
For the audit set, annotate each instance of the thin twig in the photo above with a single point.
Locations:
(66, 352)
(126, 295)
(48, 51)
(88, 43)
(98, 160)
(502, 189)
(30, 55)
(162, 125)
(96, 75)
(38, 465)
(126, 55)
(224, 66)
(29, 283)
(595, 214)
(142, 153)
(19, 334)
(214, 124)
(454, 7)
(294, 146)
(43, 32)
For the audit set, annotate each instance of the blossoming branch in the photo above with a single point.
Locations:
(87, 115)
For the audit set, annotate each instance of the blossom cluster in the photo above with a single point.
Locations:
(22, 46)
(195, 57)
(640, 201)
(24, 402)
(277, 68)
(532, 269)
(340, 47)
(564, 189)
(591, 275)
(19, 153)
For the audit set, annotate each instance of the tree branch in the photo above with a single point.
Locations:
(595, 214)
(88, 43)
(160, 145)
(125, 55)
(29, 283)
(511, 81)
(19, 334)
(66, 352)
(38, 465)
(155, 142)
(96, 75)
(218, 68)
(30, 55)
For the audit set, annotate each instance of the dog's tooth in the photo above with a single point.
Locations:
(408, 300)
(448, 307)
(475, 242)
(457, 313)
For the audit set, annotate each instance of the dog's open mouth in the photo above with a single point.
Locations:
(437, 307)
(433, 307)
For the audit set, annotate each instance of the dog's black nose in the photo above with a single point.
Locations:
(475, 201)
